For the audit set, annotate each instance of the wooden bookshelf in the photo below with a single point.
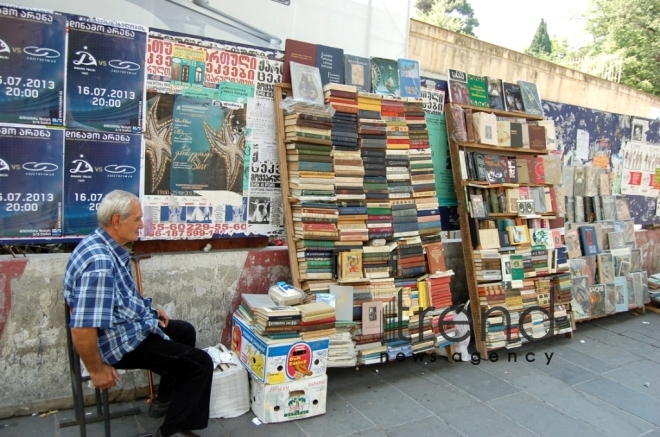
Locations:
(282, 91)
(464, 209)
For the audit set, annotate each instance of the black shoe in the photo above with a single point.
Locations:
(158, 409)
(178, 434)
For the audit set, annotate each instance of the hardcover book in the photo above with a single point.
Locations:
(503, 133)
(357, 72)
(536, 137)
(550, 135)
(330, 62)
(372, 313)
(572, 240)
(605, 268)
(531, 98)
(351, 265)
(300, 52)
(495, 93)
(485, 128)
(597, 296)
(384, 77)
(610, 298)
(589, 240)
(512, 97)
(458, 87)
(306, 83)
(478, 91)
(478, 208)
(457, 115)
(581, 299)
(516, 132)
(410, 82)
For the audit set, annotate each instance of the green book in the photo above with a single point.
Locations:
(478, 91)
(517, 269)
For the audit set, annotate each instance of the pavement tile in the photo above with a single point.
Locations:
(243, 426)
(563, 370)
(477, 382)
(339, 419)
(604, 352)
(490, 423)
(635, 381)
(382, 403)
(433, 392)
(540, 417)
(585, 360)
(424, 427)
(635, 347)
(371, 432)
(648, 337)
(624, 397)
(601, 415)
(509, 366)
(30, 426)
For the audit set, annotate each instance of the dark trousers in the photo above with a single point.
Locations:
(185, 375)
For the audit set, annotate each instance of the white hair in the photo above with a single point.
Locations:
(115, 202)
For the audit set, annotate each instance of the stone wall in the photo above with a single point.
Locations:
(203, 288)
(438, 49)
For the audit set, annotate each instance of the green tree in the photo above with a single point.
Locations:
(455, 15)
(541, 44)
(630, 29)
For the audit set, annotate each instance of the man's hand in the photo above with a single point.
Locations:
(163, 318)
(85, 341)
(105, 377)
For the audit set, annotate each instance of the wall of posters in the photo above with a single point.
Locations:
(96, 163)
(31, 170)
(32, 59)
(628, 147)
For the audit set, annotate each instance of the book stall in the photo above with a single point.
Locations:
(342, 157)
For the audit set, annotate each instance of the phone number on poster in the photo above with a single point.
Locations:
(182, 230)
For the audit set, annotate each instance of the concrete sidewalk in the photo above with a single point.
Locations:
(604, 381)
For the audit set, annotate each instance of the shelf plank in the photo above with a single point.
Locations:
(281, 91)
(499, 113)
(503, 150)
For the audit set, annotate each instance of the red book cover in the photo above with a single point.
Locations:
(539, 171)
(319, 322)
(300, 52)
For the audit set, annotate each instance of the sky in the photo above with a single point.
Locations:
(512, 23)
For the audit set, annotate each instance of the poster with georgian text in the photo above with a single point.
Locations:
(31, 171)
(105, 75)
(32, 60)
(95, 163)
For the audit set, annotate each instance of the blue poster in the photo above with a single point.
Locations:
(32, 57)
(96, 163)
(207, 146)
(31, 171)
(105, 75)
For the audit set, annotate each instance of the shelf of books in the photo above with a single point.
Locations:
(605, 264)
(361, 216)
(511, 209)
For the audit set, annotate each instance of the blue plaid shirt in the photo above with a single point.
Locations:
(102, 294)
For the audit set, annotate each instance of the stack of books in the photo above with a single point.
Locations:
(528, 294)
(377, 260)
(491, 295)
(278, 322)
(512, 332)
(341, 351)
(561, 289)
(562, 320)
(379, 219)
(439, 291)
(343, 99)
(317, 320)
(308, 124)
(487, 265)
(404, 219)
(250, 303)
(543, 293)
(410, 257)
(495, 332)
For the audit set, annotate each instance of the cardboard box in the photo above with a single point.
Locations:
(292, 400)
(277, 361)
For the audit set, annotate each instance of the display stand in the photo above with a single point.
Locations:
(464, 209)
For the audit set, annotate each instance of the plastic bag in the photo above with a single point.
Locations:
(230, 393)
(221, 355)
